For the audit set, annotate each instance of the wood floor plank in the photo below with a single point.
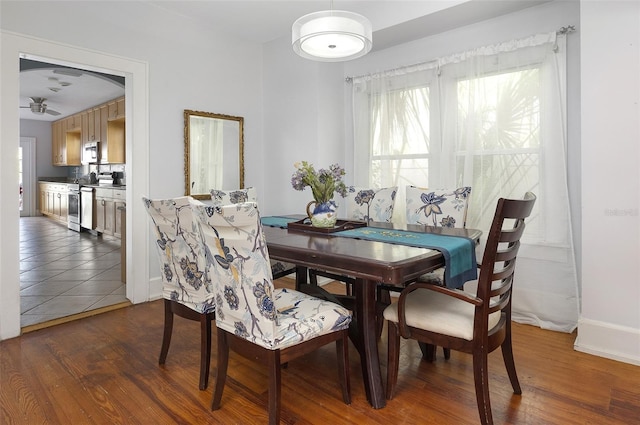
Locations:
(104, 370)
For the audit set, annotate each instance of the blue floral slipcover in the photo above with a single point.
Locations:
(441, 208)
(233, 196)
(371, 204)
(249, 194)
(181, 261)
(247, 304)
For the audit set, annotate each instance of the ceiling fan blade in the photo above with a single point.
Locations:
(52, 112)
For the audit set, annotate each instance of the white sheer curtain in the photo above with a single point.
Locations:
(492, 118)
(207, 142)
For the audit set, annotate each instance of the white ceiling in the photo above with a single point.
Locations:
(393, 21)
(66, 91)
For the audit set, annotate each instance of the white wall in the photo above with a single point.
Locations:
(303, 121)
(610, 321)
(41, 130)
(188, 66)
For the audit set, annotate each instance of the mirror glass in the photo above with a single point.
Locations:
(213, 153)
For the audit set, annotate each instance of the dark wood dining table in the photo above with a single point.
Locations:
(368, 262)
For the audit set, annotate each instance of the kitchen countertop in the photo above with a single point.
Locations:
(105, 186)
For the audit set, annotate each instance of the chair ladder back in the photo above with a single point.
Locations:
(498, 264)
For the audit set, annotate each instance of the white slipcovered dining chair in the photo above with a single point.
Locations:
(185, 288)
(363, 204)
(368, 204)
(438, 208)
(452, 318)
(272, 326)
(237, 196)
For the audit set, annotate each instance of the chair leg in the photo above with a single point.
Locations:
(507, 355)
(168, 328)
(428, 351)
(393, 361)
(481, 379)
(273, 363)
(447, 352)
(221, 369)
(342, 351)
(205, 350)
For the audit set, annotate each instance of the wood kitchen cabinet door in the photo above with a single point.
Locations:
(100, 214)
(58, 143)
(116, 109)
(110, 217)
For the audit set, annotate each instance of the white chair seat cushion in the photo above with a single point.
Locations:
(302, 317)
(440, 313)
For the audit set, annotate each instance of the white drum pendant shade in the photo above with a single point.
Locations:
(332, 36)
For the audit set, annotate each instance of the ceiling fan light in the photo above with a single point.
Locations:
(332, 36)
(38, 108)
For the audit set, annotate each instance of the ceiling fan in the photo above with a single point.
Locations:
(38, 106)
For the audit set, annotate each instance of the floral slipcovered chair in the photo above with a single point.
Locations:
(441, 208)
(237, 196)
(371, 204)
(185, 288)
(253, 318)
(362, 204)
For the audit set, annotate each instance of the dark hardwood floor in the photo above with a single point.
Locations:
(104, 370)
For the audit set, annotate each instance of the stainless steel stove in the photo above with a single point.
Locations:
(73, 206)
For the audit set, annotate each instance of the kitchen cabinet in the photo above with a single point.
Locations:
(116, 109)
(106, 124)
(65, 142)
(113, 148)
(108, 220)
(91, 125)
(119, 203)
(54, 200)
(74, 123)
(58, 149)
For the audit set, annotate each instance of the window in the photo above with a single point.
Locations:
(493, 119)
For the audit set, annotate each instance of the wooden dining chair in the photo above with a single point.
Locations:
(362, 204)
(437, 208)
(185, 288)
(455, 319)
(255, 320)
(237, 196)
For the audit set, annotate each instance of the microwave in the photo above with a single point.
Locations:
(91, 152)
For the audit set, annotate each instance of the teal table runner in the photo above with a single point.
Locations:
(277, 221)
(459, 252)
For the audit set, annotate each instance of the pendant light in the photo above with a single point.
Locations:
(331, 35)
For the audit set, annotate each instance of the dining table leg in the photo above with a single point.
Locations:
(367, 341)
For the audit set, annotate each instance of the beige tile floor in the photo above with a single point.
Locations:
(63, 272)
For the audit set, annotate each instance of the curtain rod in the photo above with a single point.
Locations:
(562, 31)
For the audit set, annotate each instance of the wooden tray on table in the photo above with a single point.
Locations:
(304, 225)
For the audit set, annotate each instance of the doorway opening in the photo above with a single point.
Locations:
(64, 273)
(136, 73)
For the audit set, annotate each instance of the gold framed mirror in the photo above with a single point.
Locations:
(213, 153)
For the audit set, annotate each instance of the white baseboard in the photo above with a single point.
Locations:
(603, 339)
(155, 288)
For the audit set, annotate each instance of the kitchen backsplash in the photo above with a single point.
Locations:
(83, 172)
